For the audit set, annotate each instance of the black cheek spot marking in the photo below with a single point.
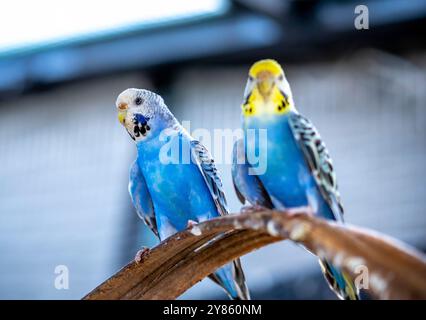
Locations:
(131, 136)
(251, 110)
(136, 131)
(141, 127)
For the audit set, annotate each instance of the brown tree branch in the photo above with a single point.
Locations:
(176, 264)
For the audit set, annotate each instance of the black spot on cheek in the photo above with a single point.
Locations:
(136, 131)
(141, 126)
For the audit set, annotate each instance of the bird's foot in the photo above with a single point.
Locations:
(139, 255)
(252, 209)
(191, 223)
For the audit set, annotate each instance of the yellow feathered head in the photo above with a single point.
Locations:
(267, 90)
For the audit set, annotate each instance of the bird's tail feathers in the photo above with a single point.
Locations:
(340, 282)
(231, 278)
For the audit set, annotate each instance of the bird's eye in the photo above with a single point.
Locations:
(138, 101)
(281, 77)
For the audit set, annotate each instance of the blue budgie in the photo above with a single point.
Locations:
(169, 187)
(297, 169)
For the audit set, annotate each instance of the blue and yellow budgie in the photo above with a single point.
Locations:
(298, 170)
(173, 182)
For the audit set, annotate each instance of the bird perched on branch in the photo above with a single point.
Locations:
(293, 166)
(173, 182)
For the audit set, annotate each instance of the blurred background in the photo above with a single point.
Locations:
(65, 158)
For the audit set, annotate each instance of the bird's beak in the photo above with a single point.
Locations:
(122, 117)
(122, 112)
(265, 83)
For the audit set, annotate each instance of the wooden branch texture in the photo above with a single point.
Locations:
(176, 264)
